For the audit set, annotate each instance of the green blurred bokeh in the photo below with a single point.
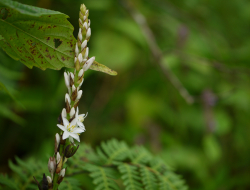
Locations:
(205, 44)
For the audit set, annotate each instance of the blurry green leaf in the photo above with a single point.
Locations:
(212, 148)
(35, 36)
(223, 123)
(114, 50)
(8, 182)
(11, 115)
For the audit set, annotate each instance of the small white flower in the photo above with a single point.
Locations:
(80, 119)
(66, 79)
(70, 129)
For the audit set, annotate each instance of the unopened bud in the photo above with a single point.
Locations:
(84, 44)
(88, 23)
(75, 60)
(88, 63)
(80, 20)
(80, 57)
(67, 98)
(58, 158)
(64, 114)
(76, 50)
(85, 25)
(57, 141)
(66, 79)
(61, 176)
(52, 165)
(49, 179)
(80, 73)
(80, 34)
(79, 95)
(84, 18)
(70, 150)
(86, 53)
(88, 33)
(72, 112)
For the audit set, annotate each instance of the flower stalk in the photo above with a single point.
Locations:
(70, 121)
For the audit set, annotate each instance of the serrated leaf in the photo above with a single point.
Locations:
(35, 36)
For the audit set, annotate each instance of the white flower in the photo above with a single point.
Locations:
(70, 129)
(80, 119)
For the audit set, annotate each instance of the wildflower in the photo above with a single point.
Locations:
(80, 119)
(70, 129)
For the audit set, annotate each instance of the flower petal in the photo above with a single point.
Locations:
(65, 122)
(65, 135)
(78, 130)
(73, 122)
(75, 136)
(80, 124)
(61, 127)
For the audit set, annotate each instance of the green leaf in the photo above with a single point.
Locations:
(35, 36)
(39, 37)
(102, 68)
(3, 88)
(8, 182)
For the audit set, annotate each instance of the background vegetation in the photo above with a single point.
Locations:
(183, 92)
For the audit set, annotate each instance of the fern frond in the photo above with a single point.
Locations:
(148, 178)
(140, 155)
(113, 150)
(103, 178)
(130, 176)
(8, 183)
(70, 183)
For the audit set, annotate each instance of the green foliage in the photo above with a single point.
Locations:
(35, 36)
(39, 37)
(112, 167)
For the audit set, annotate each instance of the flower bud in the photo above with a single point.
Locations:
(49, 179)
(85, 25)
(88, 33)
(88, 63)
(76, 50)
(66, 79)
(64, 113)
(57, 141)
(86, 53)
(84, 44)
(88, 23)
(67, 98)
(61, 175)
(80, 73)
(58, 158)
(80, 34)
(79, 95)
(70, 150)
(80, 57)
(72, 112)
(52, 165)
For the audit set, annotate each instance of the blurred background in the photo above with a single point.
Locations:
(182, 89)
